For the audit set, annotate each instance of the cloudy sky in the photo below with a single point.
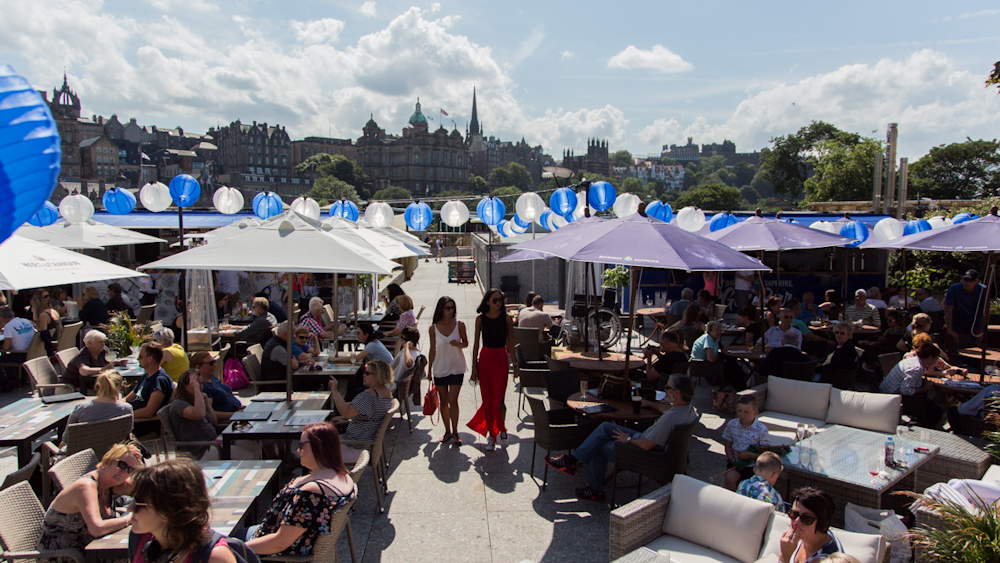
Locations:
(640, 74)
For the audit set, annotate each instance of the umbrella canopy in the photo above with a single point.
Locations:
(101, 234)
(234, 228)
(373, 239)
(641, 241)
(978, 235)
(26, 263)
(55, 238)
(760, 233)
(523, 255)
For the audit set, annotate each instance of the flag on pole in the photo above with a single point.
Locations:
(444, 112)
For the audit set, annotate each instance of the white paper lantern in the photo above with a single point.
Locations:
(76, 208)
(625, 205)
(939, 222)
(825, 226)
(379, 214)
(690, 219)
(454, 213)
(541, 216)
(155, 197)
(887, 229)
(516, 229)
(581, 204)
(508, 229)
(529, 206)
(557, 221)
(306, 206)
(227, 200)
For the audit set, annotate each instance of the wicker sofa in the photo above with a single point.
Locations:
(786, 403)
(697, 522)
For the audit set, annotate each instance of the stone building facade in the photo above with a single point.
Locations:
(595, 160)
(256, 157)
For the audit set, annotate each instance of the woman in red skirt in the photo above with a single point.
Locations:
(490, 369)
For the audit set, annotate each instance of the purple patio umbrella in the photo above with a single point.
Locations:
(523, 255)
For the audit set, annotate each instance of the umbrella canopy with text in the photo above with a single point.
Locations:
(55, 238)
(101, 234)
(760, 233)
(26, 263)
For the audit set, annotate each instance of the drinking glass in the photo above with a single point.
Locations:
(925, 438)
(110, 355)
(583, 389)
(354, 359)
(649, 300)
(874, 468)
(800, 432)
(810, 432)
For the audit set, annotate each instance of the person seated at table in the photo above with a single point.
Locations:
(739, 434)
(191, 415)
(844, 354)
(305, 346)
(774, 337)
(172, 516)
(798, 324)
(224, 401)
(809, 538)
(106, 405)
(761, 485)
(84, 510)
(373, 349)
(787, 352)
(116, 303)
(313, 321)
(942, 365)
(907, 379)
(259, 329)
(402, 364)
(599, 448)
(707, 305)
(17, 336)
(153, 390)
(678, 307)
(772, 312)
(57, 300)
(47, 321)
(886, 342)
(535, 317)
(747, 318)
(406, 316)
(274, 307)
(274, 359)
(921, 323)
(706, 347)
(175, 359)
(305, 506)
(392, 291)
(660, 361)
(366, 410)
(809, 311)
(862, 311)
(897, 301)
(969, 418)
(875, 298)
(90, 361)
(927, 302)
(831, 305)
(690, 321)
(221, 305)
(93, 312)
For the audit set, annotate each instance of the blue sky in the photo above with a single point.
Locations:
(640, 74)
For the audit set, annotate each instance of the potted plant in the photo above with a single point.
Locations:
(123, 334)
(616, 278)
(956, 533)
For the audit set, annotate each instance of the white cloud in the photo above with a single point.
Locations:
(435, 7)
(658, 58)
(528, 46)
(326, 30)
(931, 100)
(368, 9)
(978, 14)
(567, 55)
(173, 5)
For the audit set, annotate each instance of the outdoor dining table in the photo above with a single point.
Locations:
(235, 488)
(591, 366)
(961, 388)
(973, 355)
(274, 428)
(24, 421)
(744, 352)
(864, 330)
(318, 378)
(623, 409)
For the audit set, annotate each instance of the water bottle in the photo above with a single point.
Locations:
(890, 452)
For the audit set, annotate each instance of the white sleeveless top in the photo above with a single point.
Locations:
(448, 359)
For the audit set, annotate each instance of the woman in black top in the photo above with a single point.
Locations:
(92, 309)
(845, 355)
(747, 318)
(660, 362)
(490, 366)
(392, 312)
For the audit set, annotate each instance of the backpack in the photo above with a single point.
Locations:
(234, 376)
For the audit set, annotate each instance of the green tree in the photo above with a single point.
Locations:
(750, 195)
(994, 78)
(764, 188)
(341, 168)
(667, 161)
(498, 177)
(788, 164)
(508, 195)
(843, 171)
(621, 158)
(965, 170)
(312, 163)
(392, 193)
(714, 197)
(744, 172)
(329, 189)
(519, 176)
(478, 185)
(632, 186)
(670, 196)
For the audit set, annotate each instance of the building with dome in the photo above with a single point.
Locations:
(65, 108)
(423, 161)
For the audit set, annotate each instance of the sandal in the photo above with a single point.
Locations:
(445, 438)
(456, 440)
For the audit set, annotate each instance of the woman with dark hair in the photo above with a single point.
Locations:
(831, 305)
(747, 318)
(221, 305)
(392, 312)
(46, 319)
(366, 410)
(406, 358)
(170, 522)
(809, 538)
(496, 329)
(773, 309)
(191, 417)
(690, 321)
(660, 362)
(447, 362)
(373, 350)
(304, 508)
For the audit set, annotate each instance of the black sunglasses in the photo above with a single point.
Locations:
(495, 300)
(126, 467)
(805, 519)
(303, 444)
(449, 307)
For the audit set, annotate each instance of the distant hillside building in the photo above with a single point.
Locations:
(596, 160)
(302, 150)
(419, 160)
(256, 157)
(65, 108)
(691, 153)
(487, 153)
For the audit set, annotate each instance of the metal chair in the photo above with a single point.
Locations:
(530, 376)
(800, 371)
(68, 469)
(21, 527)
(66, 356)
(43, 377)
(170, 441)
(252, 366)
(555, 430)
(658, 465)
(402, 392)
(702, 370)
(97, 437)
(67, 338)
(24, 473)
(145, 314)
(220, 361)
(378, 463)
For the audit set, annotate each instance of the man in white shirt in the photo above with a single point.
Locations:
(228, 282)
(742, 286)
(534, 316)
(17, 332)
(775, 336)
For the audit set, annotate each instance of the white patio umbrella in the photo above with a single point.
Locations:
(26, 263)
(398, 234)
(55, 238)
(386, 245)
(101, 234)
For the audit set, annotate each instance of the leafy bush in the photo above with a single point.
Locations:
(123, 334)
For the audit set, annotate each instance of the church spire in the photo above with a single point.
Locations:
(474, 126)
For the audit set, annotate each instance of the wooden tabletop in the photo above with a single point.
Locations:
(26, 420)
(651, 311)
(865, 330)
(742, 352)
(609, 362)
(941, 383)
(976, 353)
(274, 427)
(623, 409)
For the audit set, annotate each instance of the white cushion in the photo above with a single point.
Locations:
(800, 398)
(683, 551)
(868, 548)
(781, 421)
(782, 437)
(877, 412)
(716, 518)
(992, 474)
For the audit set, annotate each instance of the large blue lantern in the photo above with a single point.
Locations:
(660, 210)
(563, 202)
(266, 205)
(963, 217)
(602, 196)
(914, 226)
(490, 211)
(418, 216)
(856, 230)
(45, 216)
(118, 201)
(721, 221)
(521, 222)
(345, 209)
(184, 190)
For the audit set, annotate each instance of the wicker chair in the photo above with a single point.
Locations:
(402, 392)
(888, 361)
(67, 470)
(378, 463)
(36, 349)
(21, 527)
(67, 338)
(560, 385)
(557, 365)
(257, 350)
(658, 465)
(529, 377)
(24, 473)
(170, 441)
(66, 356)
(555, 430)
(800, 371)
(43, 377)
(252, 366)
(97, 437)
(220, 361)
(145, 314)
(533, 350)
(705, 370)
(839, 378)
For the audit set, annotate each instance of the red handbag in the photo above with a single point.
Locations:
(431, 402)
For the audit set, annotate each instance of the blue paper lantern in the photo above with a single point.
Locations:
(721, 221)
(184, 190)
(266, 205)
(118, 201)
(490, 211)
(499, 227)
(45, 216)
(29, 151)
(963, 217)
(521, 222)
(345, 209)
(563, 202)
(856, 230)
(660, 210)
(544, 219)
(418, 216)
(914, 226)
(602, 196)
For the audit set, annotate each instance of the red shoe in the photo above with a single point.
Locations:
(560, 463)
(587, 493)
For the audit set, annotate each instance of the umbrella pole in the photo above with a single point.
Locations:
(631, 321)
(777, 271)
(336, 314)
(760, 290)
(288, 339)
(532, 262)
(355, 300)
(182, 281)
(906, 290)
(847, 258)
(597, 328)
(990, 276)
